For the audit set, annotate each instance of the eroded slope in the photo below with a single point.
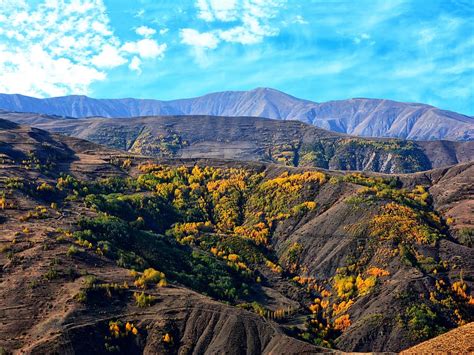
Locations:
(210, 256)
(289, 143)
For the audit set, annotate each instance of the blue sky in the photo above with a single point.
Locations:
(417, 50)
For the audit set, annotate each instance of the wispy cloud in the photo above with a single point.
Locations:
(139, 13)
(145, 31)
(250, 22)
(58, 47)
(300, 20)
(194, 38)
(218, 10)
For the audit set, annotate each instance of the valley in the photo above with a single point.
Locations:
(238, 177)
(176, 254)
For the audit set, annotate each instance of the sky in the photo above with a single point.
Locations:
(404, 50)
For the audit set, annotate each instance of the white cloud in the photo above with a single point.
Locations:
(164, 31)
(362, 37)
(135, 65)
(300, 20)
(101, 28)
(109, 58)
(145, 31)
(222, 10)
(59, 47)
(139, 13)
(145, 48)
(251, 18)
(193, 38)
(37, 72)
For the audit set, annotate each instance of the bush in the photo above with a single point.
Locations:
(403, 224)
(345, 286)
(149, 276)
(72, 250)
(422, 322)
(143, 300)
(466, 237)
(51, 274)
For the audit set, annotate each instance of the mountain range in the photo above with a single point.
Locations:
(359, 116)
(290, 143)
(162, 230)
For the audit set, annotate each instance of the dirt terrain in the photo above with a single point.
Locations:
(60, 293)
(457, 341)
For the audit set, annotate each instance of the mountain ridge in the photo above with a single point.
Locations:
(290, 143)
(357, 116)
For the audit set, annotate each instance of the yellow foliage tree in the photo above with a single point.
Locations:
(342, 323)
(167, 338)
(377, 272)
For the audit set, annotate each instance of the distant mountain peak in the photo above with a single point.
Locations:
(264, 89)
(357, 116)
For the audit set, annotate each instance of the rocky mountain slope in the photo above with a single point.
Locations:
(459, 341)
(362, 117)
(142, 255)
(290, 143)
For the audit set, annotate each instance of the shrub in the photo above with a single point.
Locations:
(422, 322)
(292, 256)
(95, 292)
(466, 237)
(167, 338)
(143, 300)
(341, 307)
(72, 250)
(274, 267)
(149, 276)
(377, 272)
(120, 339)
(365, 286)
(51, 274)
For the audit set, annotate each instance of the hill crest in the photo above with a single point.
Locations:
(357, 116)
